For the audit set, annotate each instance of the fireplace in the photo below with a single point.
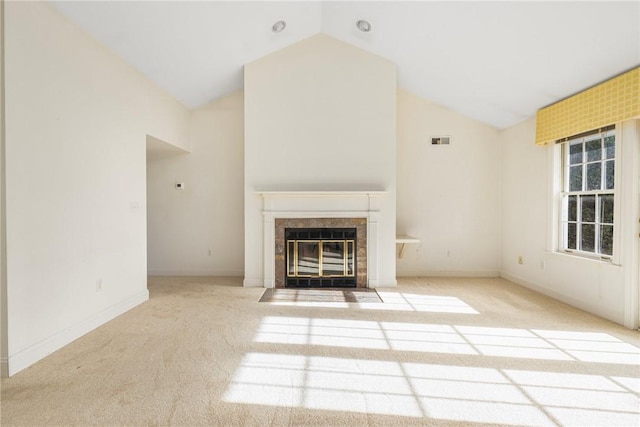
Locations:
(331, 252)
(284, 210)
(320, 257)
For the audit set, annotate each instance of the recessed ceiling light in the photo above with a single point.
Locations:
(279, 26)
(363, 26)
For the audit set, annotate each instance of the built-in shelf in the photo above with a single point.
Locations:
(404, 240)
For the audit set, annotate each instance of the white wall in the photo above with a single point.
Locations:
(320, 115)
(76, 123)
(3, 230)
(447, 194)
(184, 225)
(608, 290)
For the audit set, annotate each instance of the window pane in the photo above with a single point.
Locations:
(594, 176)
(594, 150)
(610, 170)
(606, 239)
(575, 153)
(572, 208)
(588, 208)
(350, 266)
(571, 236)
(333, 258)
(587, 219)
(588, 237)
(606, 208)
(291, 260)
(575, 178)
(308, 259)
(609, 146)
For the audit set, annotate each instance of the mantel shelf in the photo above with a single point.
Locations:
(315, 193)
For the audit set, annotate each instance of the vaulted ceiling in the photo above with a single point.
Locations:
(497, 62)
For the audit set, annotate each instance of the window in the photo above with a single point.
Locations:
(588, 194)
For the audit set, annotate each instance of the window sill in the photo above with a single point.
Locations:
(579, 258)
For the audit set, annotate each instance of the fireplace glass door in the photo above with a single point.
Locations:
(321, 261)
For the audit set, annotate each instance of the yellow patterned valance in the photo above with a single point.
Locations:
(610, 102)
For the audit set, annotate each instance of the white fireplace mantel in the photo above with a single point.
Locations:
(320, 204)
(316, 193)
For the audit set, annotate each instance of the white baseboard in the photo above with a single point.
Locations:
(30, 355)
(575, 302)
(383, 284)
(214, 273)
(447, 273)
(253, 283)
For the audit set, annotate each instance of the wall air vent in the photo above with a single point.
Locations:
(441, 140)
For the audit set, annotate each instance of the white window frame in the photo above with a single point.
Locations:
(560, 185)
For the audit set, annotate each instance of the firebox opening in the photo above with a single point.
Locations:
(320, 257)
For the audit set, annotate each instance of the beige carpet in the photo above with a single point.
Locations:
(204, 351)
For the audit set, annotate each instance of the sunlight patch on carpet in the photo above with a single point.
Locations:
(447, 339)
(419, 390)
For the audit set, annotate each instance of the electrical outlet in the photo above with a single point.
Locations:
(98, 285)
(520, 260)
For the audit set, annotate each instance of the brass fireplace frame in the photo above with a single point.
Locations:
(347, 244)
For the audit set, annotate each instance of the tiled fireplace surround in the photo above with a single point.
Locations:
(360, 224)
(319, 209)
